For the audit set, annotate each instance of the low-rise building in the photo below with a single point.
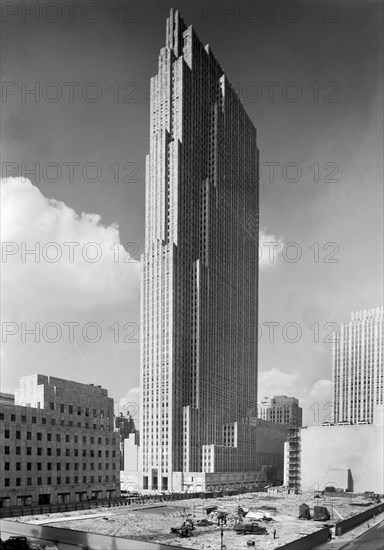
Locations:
(58, 443)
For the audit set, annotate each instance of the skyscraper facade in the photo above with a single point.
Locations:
(358, 367)
(200, 266)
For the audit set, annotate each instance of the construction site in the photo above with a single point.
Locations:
(260, 520)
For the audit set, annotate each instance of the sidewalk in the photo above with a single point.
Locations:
(339, 542)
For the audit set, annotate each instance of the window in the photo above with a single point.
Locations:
(18, 450)
(49, 451)
(38, 436)
(58, 452)
(58, 481)
(49, 466)
(18, 434)
(49, 437)
(6, 466)
(62, 408)
(84, 479)
(43, 420)
(23, 418)
(39, 481)
(13, 417)
(29, 481)
(6, 482)
(52, 406)
(39, 451)
(29, 466)
(49, 480)
(18, 482)
(29, 435)
(34, 420)
(67, 466)
(29, 451)
(53, 421)
(76, 452)
(58, 438)
(67, 438)
(58, 466)
(6, 450)
(70, 409)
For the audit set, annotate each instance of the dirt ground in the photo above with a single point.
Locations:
(154, 524)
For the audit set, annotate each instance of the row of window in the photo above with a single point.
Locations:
(58, 480)
(60, 437)
(68, 466)
(76, 452)
(70, 423)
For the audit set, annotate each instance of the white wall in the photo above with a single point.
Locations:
(328, 452)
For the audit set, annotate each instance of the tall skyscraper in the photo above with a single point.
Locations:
(358, 367)
(200, 266)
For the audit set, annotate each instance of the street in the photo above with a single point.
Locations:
(371, 540)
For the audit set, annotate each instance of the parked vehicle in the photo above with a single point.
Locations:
(320, 513)
(304, 511)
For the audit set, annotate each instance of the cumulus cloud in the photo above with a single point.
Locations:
(67, 277)
(270, 249)
(276, 382)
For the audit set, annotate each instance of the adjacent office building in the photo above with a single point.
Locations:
(358, 367)
(124, 426)
(282, 409)
(286, 410)
(200, 270)
(58, 443)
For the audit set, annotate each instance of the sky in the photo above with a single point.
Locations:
(310, 77)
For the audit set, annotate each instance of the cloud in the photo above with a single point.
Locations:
(79, 291)
(270, 249)
(316, 400)
(276, 382)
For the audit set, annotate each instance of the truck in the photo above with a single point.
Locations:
(304, 511)
(320, 513)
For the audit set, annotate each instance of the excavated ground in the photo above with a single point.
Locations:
(154, 524)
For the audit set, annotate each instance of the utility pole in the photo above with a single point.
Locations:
(222, 545)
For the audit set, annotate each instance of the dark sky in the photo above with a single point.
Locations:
(310, 77)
